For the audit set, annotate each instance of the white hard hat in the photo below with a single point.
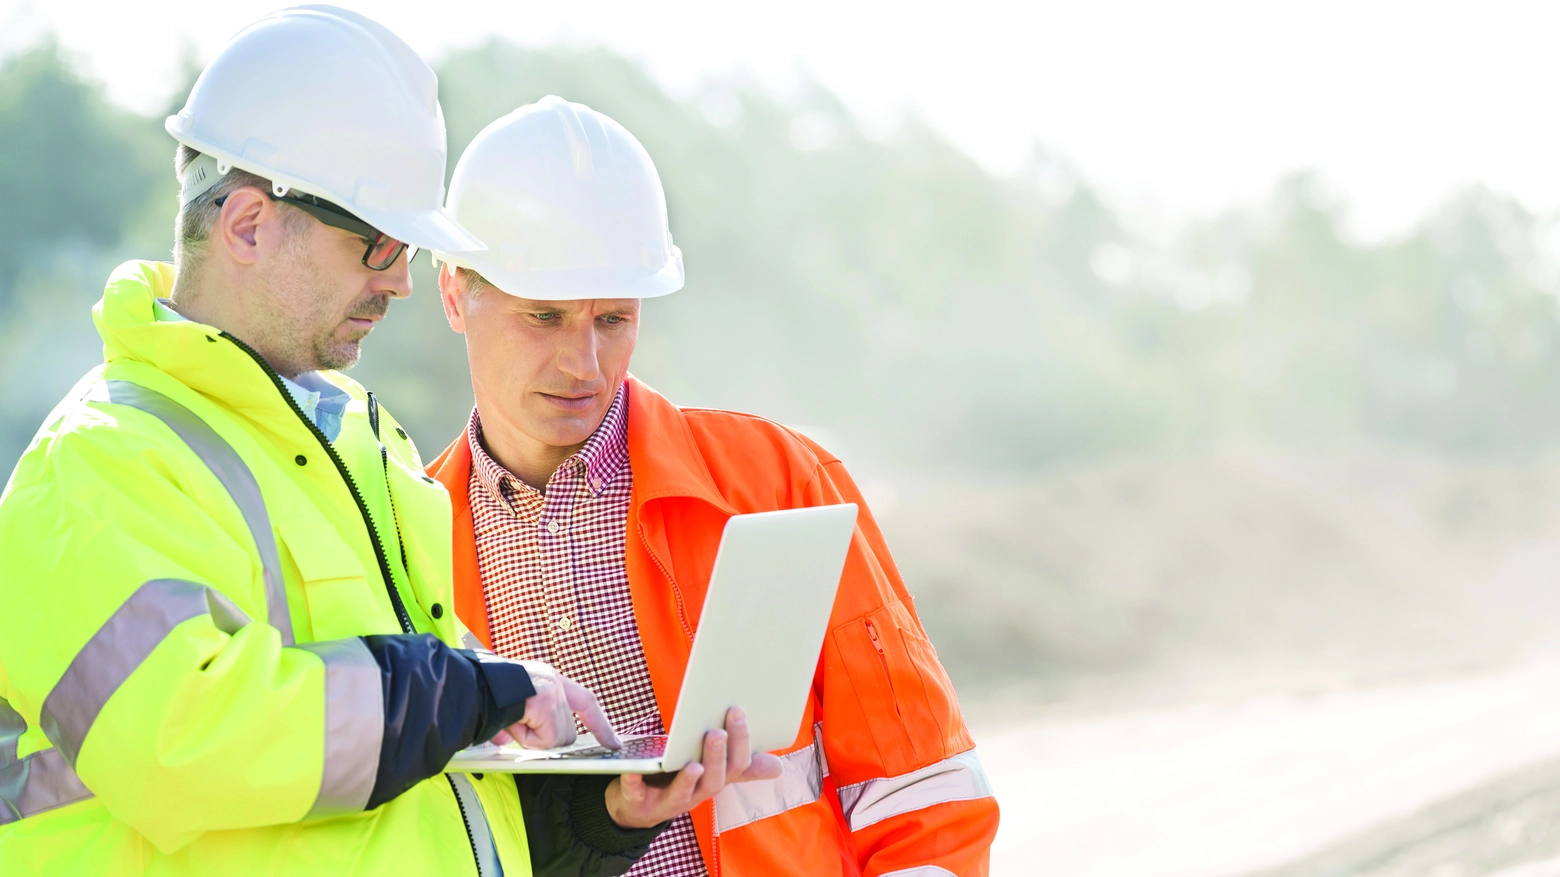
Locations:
(570, 205)
(332, 104)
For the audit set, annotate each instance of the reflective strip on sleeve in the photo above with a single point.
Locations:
(41, 781)
(118, 648)
(800, 783)
(920, 871)
(959, 778)
(12, 727)
(354, 726)
(229, 467)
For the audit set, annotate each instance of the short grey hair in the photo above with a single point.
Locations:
(192, 228)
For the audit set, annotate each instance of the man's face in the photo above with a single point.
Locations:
(323, 301)
(549, 369)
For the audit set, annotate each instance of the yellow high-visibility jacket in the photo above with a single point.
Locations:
(186, 567)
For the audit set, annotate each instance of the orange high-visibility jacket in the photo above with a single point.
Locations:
(883, 779)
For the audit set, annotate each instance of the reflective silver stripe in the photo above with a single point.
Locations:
(800, 783)
(354, 726)
(959, 778)
(117, 649)
(12, 727)
(470, 641)
(920, 871)
(482, 844)
(41, 781)
(229, 467)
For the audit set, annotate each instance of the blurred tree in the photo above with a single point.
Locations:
(74, 168)
(891, 292)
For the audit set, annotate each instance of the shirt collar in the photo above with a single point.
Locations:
(602, 457)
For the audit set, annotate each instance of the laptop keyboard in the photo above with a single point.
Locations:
(634, 747)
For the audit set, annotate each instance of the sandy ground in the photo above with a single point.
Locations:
(1227, 788)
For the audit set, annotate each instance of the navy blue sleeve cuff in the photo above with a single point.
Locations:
(437, 700)
(509, 686)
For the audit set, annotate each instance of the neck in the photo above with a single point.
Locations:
(229, 309)
(524, 457)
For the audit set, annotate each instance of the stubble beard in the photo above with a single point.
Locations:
(305, 332)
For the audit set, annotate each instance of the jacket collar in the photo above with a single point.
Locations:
(665, 457)
(195, 354)
(661, 450)
(666, 462)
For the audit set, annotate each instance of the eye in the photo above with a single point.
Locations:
(545, 316)
(611, 319)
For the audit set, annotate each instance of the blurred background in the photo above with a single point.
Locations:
(1200, 360)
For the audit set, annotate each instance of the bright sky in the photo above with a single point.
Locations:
(1181, 107)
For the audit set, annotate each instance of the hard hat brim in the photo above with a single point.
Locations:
(428, 229)
(573, 284)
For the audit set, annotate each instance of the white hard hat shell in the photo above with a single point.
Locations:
(330, 103)
(570, 205)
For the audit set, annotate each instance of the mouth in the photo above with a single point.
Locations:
(570, 402)
(366, 313)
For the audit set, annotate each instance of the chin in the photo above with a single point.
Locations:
(566, 432)
(341, 357)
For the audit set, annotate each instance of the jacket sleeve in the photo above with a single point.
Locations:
(909, 782)
(437, 701)
(133, 639)
(570, 832)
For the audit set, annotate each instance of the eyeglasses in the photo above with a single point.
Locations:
(382, 250)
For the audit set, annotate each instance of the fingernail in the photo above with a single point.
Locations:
(738, 717)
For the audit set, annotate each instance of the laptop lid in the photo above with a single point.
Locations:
(765, 617)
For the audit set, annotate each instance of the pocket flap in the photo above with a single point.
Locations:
(319, 555)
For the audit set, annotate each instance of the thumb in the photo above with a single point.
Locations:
(763, 767)
(633, 786)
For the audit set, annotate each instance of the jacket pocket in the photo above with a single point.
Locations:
(332, 582)
(907, 699)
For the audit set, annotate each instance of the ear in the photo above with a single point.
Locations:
(242, 225)
(453, 297)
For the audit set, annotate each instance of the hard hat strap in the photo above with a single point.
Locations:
(199, 176)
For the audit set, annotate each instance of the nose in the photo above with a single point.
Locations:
(577, 353)
(395, 281)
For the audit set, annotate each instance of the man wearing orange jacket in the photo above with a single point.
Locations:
(588, 510)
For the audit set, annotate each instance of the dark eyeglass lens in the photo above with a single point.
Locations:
(383, 252)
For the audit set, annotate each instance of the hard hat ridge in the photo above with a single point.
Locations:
(335, 105)
(570, 203)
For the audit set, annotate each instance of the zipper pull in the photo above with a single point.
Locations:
(373, 414)
(873, 635)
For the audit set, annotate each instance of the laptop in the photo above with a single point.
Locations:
(765, 616)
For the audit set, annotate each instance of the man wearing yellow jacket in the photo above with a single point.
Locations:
(227, 643)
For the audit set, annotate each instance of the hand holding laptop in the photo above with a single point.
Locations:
(634, 802)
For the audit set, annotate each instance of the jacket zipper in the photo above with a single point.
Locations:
(872, 634)
(682, 612)
(373, 531)
(384, 463)
(714, 839)
(465, 818)
(682, 616)
(341, 467)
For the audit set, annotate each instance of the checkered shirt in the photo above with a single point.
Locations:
(556, 588)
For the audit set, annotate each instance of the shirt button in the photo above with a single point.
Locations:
(565, 623)
(553, 528)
